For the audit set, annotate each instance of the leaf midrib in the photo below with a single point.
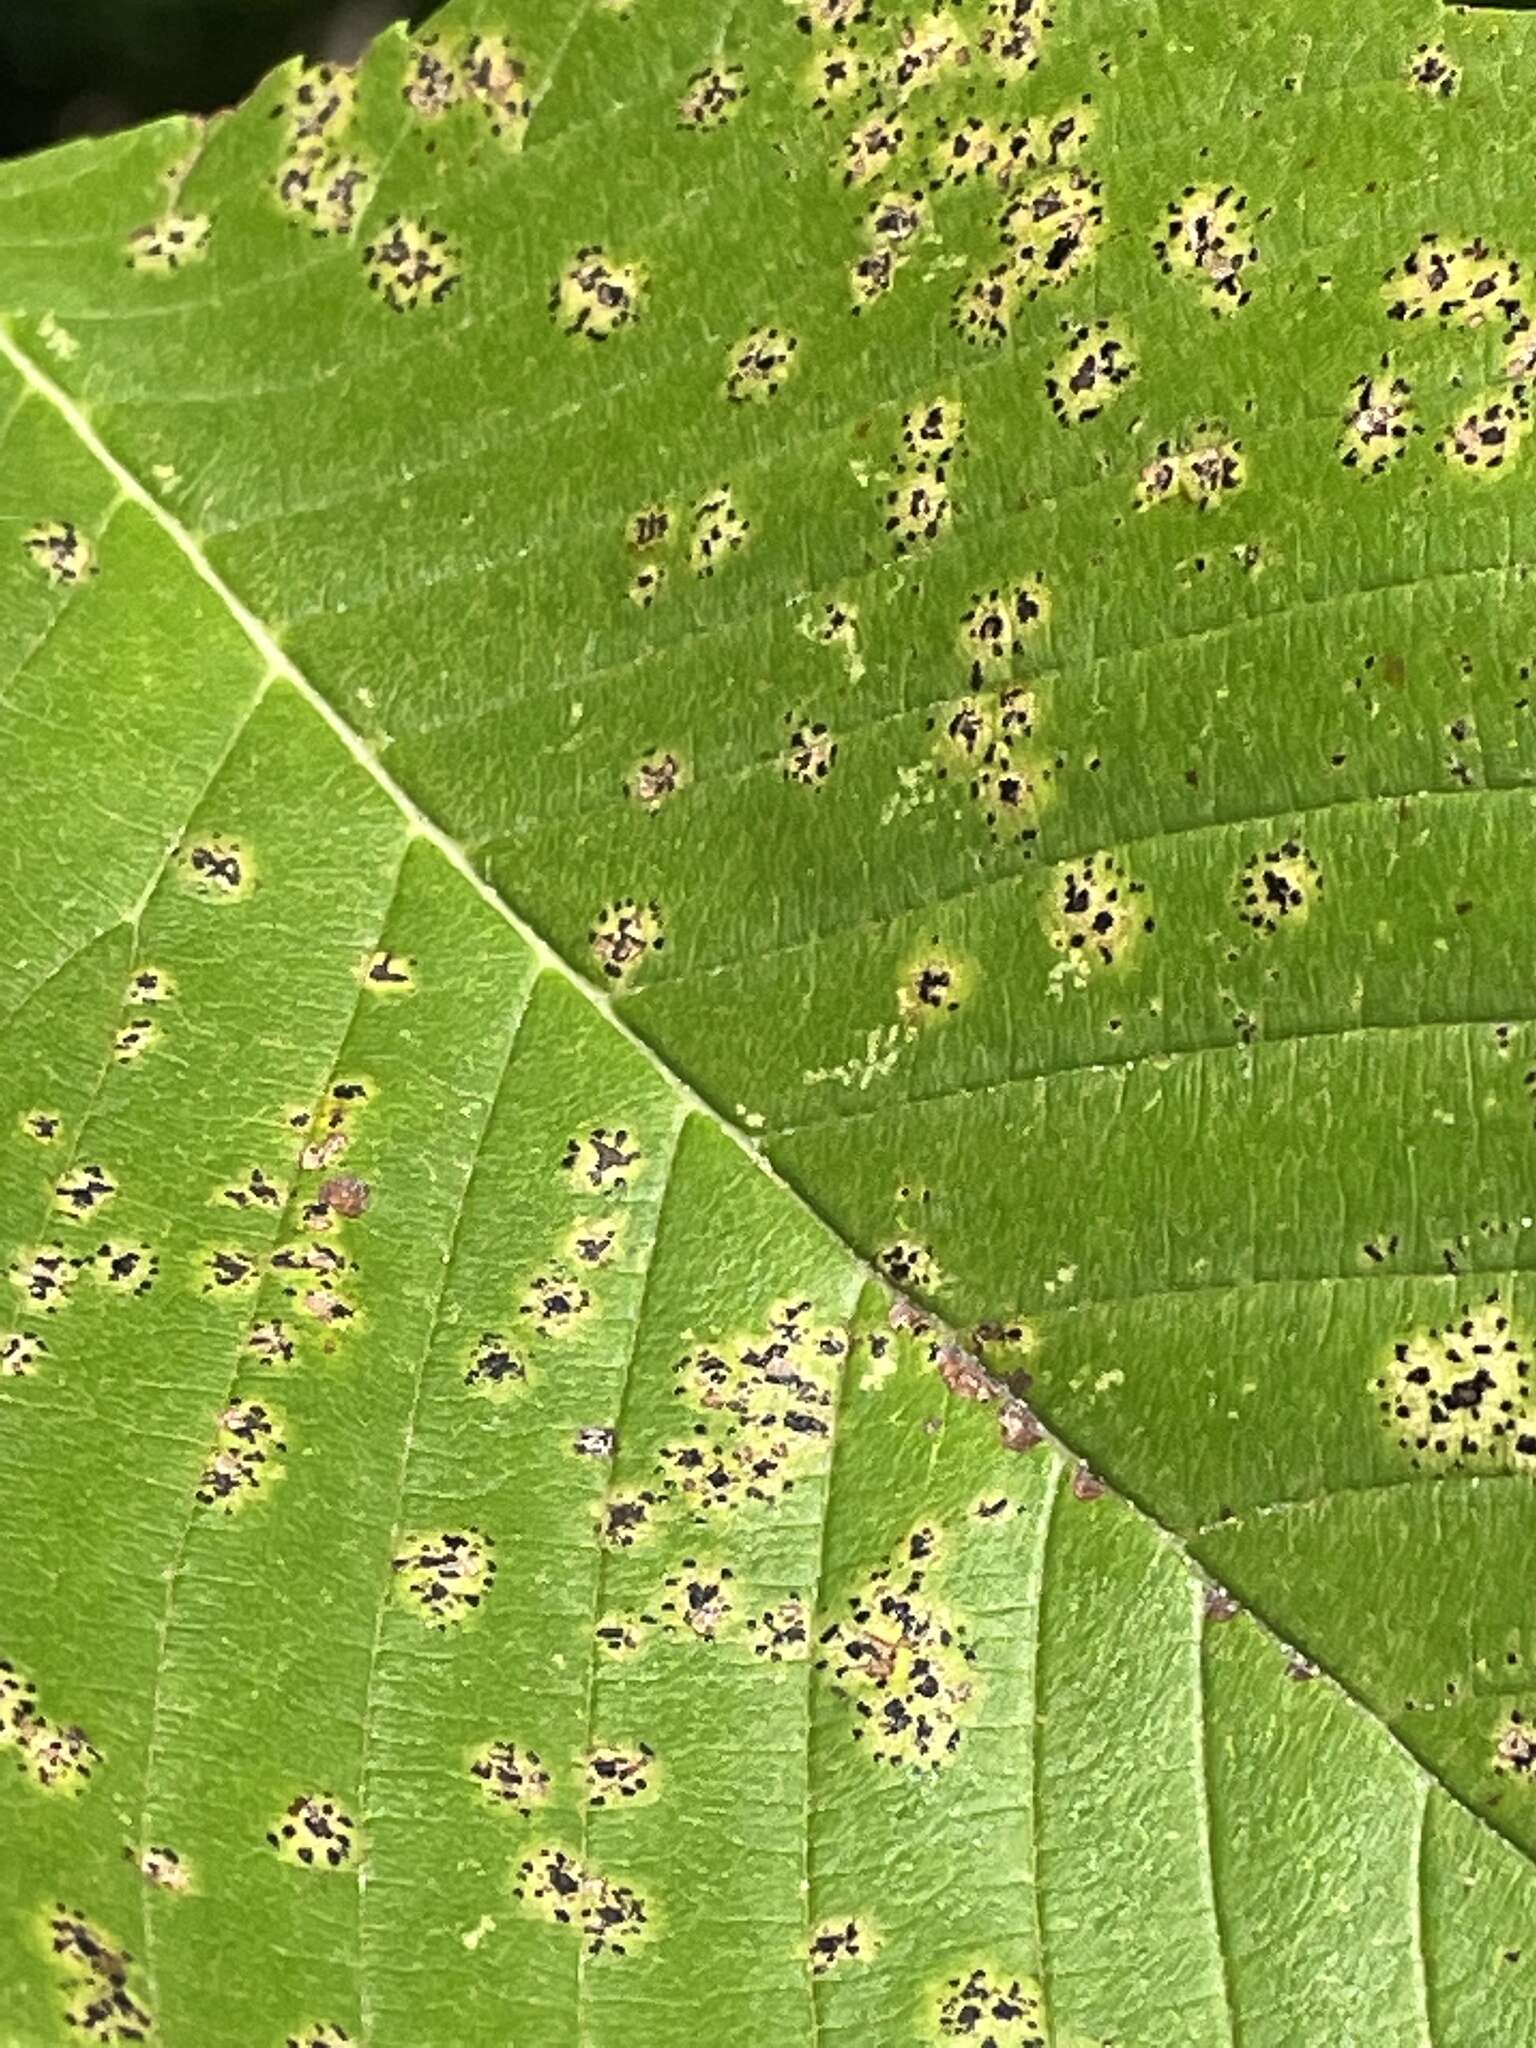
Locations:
(279, 665)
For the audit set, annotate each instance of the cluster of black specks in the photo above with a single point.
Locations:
(445, 1575)
(431, 78)
(1464, 284)
(909, 1266)
(592, 1243)
(271, 1341)
(311, 1275)
(61, 550)
(1206, 240)
(621, 1635)
(615, 1777)
(244, 1459)
(314, 1832)
(810, 754)
(999, 624)
(317, 184)
(42, 1125)
(765, 1404)
(133, 1039)
(892, 227)
(390, 974)
(1203, 473)
(1095, 913)
(1379, 421)
(1456, 1395)
(603, 1159)
(127, 1269)
(919, 506)
(931, 988)
(902, 1663)
(555, 1302)
(216, 869)
(553, 1884)
(510, 1776)
(162, 1867)
(84, 1190)
(1488, 436)
(597, 295)
(990, 2008)
(626, 1517)
(655, 778)
(1047, 234)
(412, 264)
(623, 934)
(256, 1191)
(719, 531)
(760, 365)
(696, 1599)
(595, 1440)
(1096, 363)
(494, 1369)
(45, 1276)
(836, 1942)
(645, 586)
(781, 1634)
(21, 1352)
(497, 80)
(1278, 886)
(711, 97)
(169, 244)
(989, 737)
(324, 2035)
(1514, 1752)
(59, 1758)
(96, 1978)
(1432, 71)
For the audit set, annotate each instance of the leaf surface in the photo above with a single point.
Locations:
(581, 625)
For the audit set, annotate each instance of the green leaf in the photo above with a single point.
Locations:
(722, 745)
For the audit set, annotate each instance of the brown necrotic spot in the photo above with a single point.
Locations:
(1278, 887)
(1096, 363)
(61, 550)
(902, 1663)
(759, 365)
(554, 1885)
(246, 1456)
(624, 933)
(509, 1775)
(1206, 240)
(597, 295)
(989, 2007)
(412, 264)
(621, 1777)
(444, 1576)
(1456, 1394)
(169, 243)
(314, 1832)
(711, 97)
(494, 1370)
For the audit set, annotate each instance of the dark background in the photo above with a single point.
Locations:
(84, 67)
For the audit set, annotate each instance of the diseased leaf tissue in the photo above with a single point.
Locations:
(928, 600)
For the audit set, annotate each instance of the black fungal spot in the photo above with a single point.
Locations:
(902, 1663)
(95, 1977)
(244, 1458)
(1456, 1395)
(595, 1440)
(695, 1599)
(1277, 886)
(990, 2009)
(595, 297)
(1378, 421)
(169, 244)
(623, 934)
(215, 869)
(510, 1776)
(493, 1369)
(711, 97)
(1096, 363)
(1431, 71)
(552, 1884)
(810, 754)
(1206, 240)
(61, 551)
(836, 1942)
(617, 1776)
